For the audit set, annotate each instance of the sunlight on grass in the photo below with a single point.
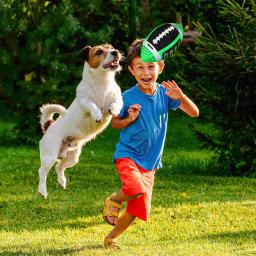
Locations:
(195, 212)
(205, 229)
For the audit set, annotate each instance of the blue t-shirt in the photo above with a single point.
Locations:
(143, 140)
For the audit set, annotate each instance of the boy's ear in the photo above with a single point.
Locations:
(84, 53)
(131, 70)
(161, 66)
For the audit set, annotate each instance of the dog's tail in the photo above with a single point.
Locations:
(48, 111)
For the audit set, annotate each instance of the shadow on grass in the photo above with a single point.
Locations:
(81, 205)
(250, 234)
(64, 251)
(195, 189)
(36, 215)
(76, 207)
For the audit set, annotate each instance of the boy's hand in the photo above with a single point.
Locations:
(174, 91)
(133, 112)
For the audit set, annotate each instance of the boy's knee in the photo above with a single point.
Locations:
(136, 196)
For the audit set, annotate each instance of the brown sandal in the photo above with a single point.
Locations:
(108, 203)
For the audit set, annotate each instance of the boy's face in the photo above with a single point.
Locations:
(145, 73)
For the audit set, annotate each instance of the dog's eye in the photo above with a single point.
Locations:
(99, 52)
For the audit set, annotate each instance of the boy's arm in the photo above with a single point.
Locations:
(119, 122)
(187, 105)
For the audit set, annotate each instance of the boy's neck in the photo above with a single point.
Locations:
(149, 91)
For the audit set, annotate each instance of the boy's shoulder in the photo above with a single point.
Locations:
(131, 91)
(134, 90)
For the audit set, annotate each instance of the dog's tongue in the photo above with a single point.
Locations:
(112, 64)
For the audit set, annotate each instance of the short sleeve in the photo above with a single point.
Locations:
(123, 111)
(173, 104)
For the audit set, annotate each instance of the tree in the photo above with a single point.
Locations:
(225, 86)
(39, 54)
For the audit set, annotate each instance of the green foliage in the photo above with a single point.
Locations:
(40, 42)
(225, 85)
(190, 10)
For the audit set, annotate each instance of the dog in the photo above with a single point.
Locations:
(98, 98)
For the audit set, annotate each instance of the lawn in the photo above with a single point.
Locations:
(194, 211)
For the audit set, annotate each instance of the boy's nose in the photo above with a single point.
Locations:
(146, 71)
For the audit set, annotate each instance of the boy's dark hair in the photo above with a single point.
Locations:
(134, 50)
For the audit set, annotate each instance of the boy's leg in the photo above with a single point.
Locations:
(119, 197)
(122, 224)
(137, 185)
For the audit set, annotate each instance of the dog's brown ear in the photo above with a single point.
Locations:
(84, 53)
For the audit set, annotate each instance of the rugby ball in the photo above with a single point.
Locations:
(162, 42)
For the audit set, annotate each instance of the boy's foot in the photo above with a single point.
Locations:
(111, 211)
(111, 244)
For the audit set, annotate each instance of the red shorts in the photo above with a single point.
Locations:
(136, 180)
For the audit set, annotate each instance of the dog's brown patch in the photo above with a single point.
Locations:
(97, 54)
(47, 124)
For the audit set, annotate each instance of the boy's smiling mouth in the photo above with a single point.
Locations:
(146, 81)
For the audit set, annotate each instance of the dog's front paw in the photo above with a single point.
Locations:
(114, 109)
(97, 115)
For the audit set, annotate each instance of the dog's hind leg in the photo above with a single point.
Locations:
(60, 168)
(49, 147)
(45, 167)
(70, 160)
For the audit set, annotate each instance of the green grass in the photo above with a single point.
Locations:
(194, 212)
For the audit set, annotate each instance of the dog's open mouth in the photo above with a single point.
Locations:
(113, 64)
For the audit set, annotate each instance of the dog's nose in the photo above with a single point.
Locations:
(114, 53)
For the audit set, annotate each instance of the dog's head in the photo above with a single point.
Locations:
(103, 57)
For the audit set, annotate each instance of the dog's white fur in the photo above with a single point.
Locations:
(98, 97)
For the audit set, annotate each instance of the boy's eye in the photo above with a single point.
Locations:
(99, 52)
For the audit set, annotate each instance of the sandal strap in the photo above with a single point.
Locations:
(109, 202)
(110, 213)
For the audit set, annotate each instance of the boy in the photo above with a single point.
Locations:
(143, 123)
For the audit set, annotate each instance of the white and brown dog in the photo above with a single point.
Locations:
(98, 97)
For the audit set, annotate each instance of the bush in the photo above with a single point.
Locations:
(39, 59)
(40, 41)
(225, 85)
